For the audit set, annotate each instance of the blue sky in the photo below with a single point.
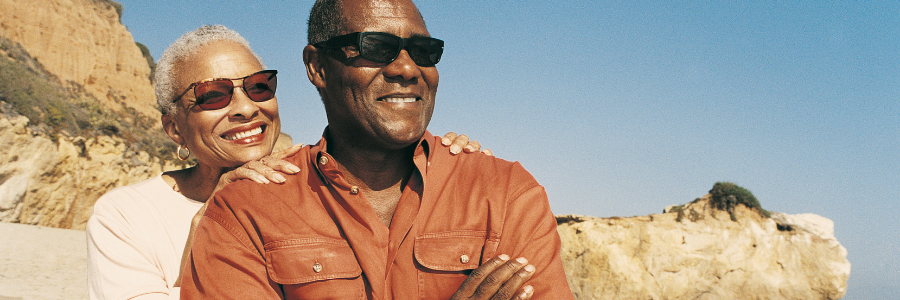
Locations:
(622, 108)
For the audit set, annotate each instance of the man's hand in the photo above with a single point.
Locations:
(459, 143)
(499, 278)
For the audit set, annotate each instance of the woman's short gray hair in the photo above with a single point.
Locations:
(181, 49)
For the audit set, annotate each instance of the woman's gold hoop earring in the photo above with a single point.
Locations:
(179, 151)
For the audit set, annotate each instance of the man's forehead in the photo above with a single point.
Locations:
(367, 13)
(388, 7)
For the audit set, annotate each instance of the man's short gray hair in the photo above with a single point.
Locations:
(181, 49)
(324, 21)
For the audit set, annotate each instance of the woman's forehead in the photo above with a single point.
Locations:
(219, 59)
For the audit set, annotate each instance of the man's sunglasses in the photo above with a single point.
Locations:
(216, 93)
(383, 47)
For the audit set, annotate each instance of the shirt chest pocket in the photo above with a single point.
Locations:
(445, 260)
(315, 268)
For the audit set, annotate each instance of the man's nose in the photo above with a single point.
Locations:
(403, 67)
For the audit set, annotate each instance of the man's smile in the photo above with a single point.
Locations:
(399, 99)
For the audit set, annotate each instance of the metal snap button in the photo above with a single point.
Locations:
(323, 160)
(317, 267)
(464, 258)
(354, 190)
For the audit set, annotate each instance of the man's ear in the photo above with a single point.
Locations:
(171, 128)
(312, 58)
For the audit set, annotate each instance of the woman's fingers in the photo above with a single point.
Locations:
(287, 152)
(462, 143)
(459, 143)
(448, 138)
(473, 146)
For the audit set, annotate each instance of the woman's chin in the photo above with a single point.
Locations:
(255, 153)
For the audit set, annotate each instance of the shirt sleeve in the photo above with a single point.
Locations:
(224, 263)
(119, 265)
(530, 232)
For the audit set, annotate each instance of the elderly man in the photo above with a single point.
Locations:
(376, 212)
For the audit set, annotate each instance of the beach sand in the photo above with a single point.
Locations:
(42, 263)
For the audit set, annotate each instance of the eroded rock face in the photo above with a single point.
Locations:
(705, 255)
(50, 177)
(55, 182)
(82, 41)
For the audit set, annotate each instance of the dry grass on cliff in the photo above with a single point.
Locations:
(58, 108)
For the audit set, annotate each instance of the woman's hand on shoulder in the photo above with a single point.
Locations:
(265, 170)
(461, 143)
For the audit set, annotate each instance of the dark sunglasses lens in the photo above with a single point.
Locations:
(425, 52)
(213, 94)
(261, 86)
(381, 48)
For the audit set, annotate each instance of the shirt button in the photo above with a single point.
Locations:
(323, 160)
(317, 267)
(464, 259)
(354, 190)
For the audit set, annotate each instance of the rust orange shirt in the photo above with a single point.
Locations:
(317, 237)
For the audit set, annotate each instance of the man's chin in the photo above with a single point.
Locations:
(402, 139)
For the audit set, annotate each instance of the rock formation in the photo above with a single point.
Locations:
(703, 254)
(74, 55)
(83, 42)
(55, 182)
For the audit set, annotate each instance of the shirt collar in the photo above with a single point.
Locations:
(325, 165)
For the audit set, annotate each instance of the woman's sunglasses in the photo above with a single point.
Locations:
(383, 47)
(216, 93)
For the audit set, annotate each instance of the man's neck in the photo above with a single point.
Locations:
(379, 174)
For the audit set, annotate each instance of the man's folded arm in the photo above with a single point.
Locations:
(530, 232)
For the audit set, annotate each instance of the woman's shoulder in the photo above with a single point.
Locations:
(136, 195)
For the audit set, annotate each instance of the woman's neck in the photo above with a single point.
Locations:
(197, 182)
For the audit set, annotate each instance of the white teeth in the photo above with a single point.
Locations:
(244, 134)
(400, 100)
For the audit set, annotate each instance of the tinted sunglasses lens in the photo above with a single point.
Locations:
(425, 52)
(379, 48)
(214, 94)
(261, 86)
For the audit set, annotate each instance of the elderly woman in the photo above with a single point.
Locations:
(218, 103)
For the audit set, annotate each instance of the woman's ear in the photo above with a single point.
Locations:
(312, 58)
(171, 128)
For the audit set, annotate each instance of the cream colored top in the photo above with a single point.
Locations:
(135, 239)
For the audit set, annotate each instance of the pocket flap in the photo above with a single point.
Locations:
(452, 251)
(304, 260)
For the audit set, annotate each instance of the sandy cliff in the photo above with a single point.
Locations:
(704, 255)
(85, 85)
(82, 41)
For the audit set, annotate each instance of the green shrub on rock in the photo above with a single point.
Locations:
(727, 195)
